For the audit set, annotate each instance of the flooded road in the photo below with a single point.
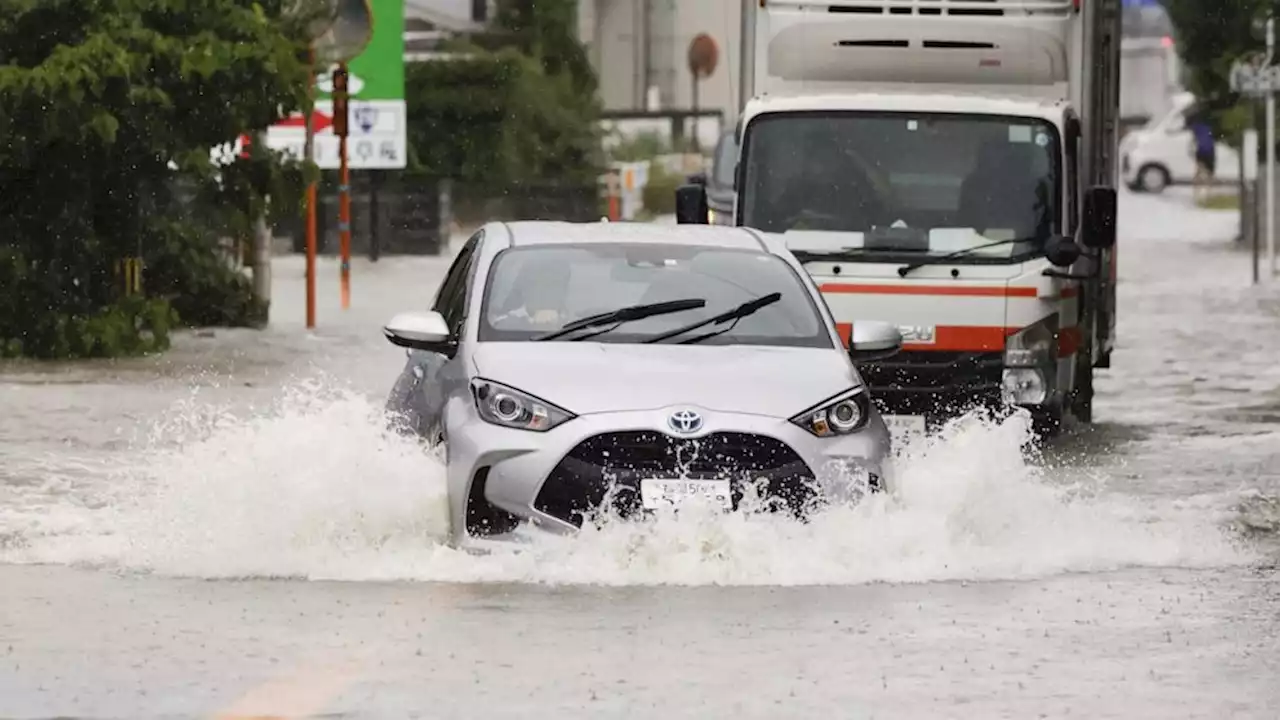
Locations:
(226, 530)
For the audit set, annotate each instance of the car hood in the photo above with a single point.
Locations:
(589, 378)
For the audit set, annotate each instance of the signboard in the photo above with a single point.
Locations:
(1251, 79)
(377, 137)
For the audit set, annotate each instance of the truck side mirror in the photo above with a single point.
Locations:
(699, 178)
(1099, 217)
(691, 205)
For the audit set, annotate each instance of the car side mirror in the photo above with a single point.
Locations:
(425, 331)
(1099, 222)
(691, 205)
(1061, 251)
(874, 340)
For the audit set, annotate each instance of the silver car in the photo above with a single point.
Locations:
(574, 369)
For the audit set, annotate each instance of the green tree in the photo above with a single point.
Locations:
(109, 109)
(1212, 35)
(516, 106)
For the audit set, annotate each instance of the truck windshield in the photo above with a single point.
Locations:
(904, 183)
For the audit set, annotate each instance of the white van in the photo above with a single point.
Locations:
(1163, 153)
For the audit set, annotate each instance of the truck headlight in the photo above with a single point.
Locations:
(1030, 360)
(1024, 386)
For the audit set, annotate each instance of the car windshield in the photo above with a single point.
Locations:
(903, 183)
(537, 289)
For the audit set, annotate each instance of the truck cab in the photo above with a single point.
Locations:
(949, 167)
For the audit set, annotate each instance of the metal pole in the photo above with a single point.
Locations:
(1254, 235)
(260, 248)
(746, 55)
(344, 180)
(344, 221)
(1271, 154)
(375, 216)
(308, 151)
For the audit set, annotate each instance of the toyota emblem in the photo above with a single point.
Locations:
(685, 422)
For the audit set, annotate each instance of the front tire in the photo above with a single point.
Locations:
(1153, 178)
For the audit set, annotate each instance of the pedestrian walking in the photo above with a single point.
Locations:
(1204, 148)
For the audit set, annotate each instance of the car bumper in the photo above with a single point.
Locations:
(555, 478)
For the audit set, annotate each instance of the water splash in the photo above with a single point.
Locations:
(318, 487)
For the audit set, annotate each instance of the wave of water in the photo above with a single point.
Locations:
(316, 487)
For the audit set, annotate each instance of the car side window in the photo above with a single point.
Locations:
(452, 299)
(455, 278)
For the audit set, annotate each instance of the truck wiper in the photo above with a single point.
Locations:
(615, 318)
(835, 253)
(905, 269)
(731, 315)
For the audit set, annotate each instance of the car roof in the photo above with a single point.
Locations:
(525, 233)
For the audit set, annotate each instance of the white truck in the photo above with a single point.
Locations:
(1150, 79)
(948, 166)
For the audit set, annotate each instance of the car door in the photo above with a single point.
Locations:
(427, 394)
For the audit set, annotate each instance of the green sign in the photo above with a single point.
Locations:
(378, 72)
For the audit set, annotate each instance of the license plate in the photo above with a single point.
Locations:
(902, 426)
(656, 493)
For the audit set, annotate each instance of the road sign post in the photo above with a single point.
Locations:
(309, 153)
(1256, 78)
(377, 135)
(344, 179)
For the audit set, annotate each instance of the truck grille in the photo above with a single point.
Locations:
(928, 382)
(970, 8)
(580, 484)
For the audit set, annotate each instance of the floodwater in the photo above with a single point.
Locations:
(226, 530)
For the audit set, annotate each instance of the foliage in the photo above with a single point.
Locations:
(1212, 35)
(131, 326)
(659, 194)
(547, 30)
(107, 108)
(646, 145)
(522, 111)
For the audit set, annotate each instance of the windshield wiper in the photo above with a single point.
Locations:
(835, 253)
(733, 314)
(905, 269)
(615, 318)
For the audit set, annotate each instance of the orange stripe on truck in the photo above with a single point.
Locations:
(940, 290)
(951, 290)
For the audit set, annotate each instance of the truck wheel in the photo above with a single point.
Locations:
(1082, 398)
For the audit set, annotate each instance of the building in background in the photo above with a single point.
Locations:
(639, 49)
(427, 23)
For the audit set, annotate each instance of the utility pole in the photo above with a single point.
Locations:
(1271, 153)
(309, 153)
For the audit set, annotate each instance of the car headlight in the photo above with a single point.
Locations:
(1033, 346)
(847, 413)
(508, 407)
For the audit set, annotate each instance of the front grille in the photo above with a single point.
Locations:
(958, 8)
(609, 467)
(932, 382)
